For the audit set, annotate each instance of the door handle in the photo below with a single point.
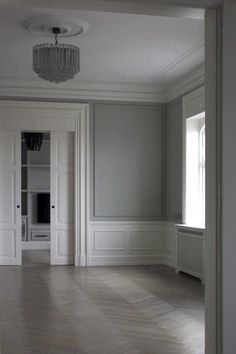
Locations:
(18, 206)
(53, 206)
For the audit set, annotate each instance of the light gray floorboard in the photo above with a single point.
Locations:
(98, 310)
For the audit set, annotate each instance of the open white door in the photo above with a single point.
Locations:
(10, 198)
(62, 198)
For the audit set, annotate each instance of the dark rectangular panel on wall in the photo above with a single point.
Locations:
(174, 160)
(127, 161)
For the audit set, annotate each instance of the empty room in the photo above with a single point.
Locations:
(105, 180)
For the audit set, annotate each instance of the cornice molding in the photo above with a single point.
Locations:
(186, 84)
(181, 59)
(89, 90)
(86, 90)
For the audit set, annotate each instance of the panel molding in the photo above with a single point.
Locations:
(133, 250)
(135, 240)
(102, 248)
(119, 161)
(174, 116)
(132, 253)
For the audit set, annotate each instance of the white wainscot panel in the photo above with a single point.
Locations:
(146, 240)
(65, 243)
(7, 244)
(124, 243)
(109, 240)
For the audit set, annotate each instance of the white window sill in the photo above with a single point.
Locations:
(191, 227)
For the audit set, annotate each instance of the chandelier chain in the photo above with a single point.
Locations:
(56, 31)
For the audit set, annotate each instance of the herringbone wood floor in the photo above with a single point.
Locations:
(104, 310)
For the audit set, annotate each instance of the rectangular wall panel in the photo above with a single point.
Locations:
(123, 243)
(127, 161)
(174, 160)
(146, 240)
(109, 240)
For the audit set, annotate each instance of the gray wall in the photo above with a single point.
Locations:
(174, 160)
(136, 161)
(127, 175)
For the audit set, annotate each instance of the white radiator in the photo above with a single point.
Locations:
(190, 252)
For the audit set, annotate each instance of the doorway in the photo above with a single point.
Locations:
(47, 197)
(68, 125)
(35, 198)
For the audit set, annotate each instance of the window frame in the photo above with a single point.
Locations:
(193, 105)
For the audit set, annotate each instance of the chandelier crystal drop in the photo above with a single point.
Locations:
(56, 62)
(33, 141)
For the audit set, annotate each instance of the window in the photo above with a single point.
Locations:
(195, 171)
(202, 167)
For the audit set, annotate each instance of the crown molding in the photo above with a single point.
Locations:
(181, 59)
(81, 90)
(100, 90)
(186, 84)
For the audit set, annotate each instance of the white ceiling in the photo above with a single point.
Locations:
(117, 47)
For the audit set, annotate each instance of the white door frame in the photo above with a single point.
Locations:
(64, 117)
(213, 182)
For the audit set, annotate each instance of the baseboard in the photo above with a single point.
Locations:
(124, 260)
(65, 260)
(80, 261)
(36, 245)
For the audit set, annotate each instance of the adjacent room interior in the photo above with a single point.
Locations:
(35, 195)
(141, 141)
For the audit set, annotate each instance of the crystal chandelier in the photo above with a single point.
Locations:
(56, 62)
(33, 141)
